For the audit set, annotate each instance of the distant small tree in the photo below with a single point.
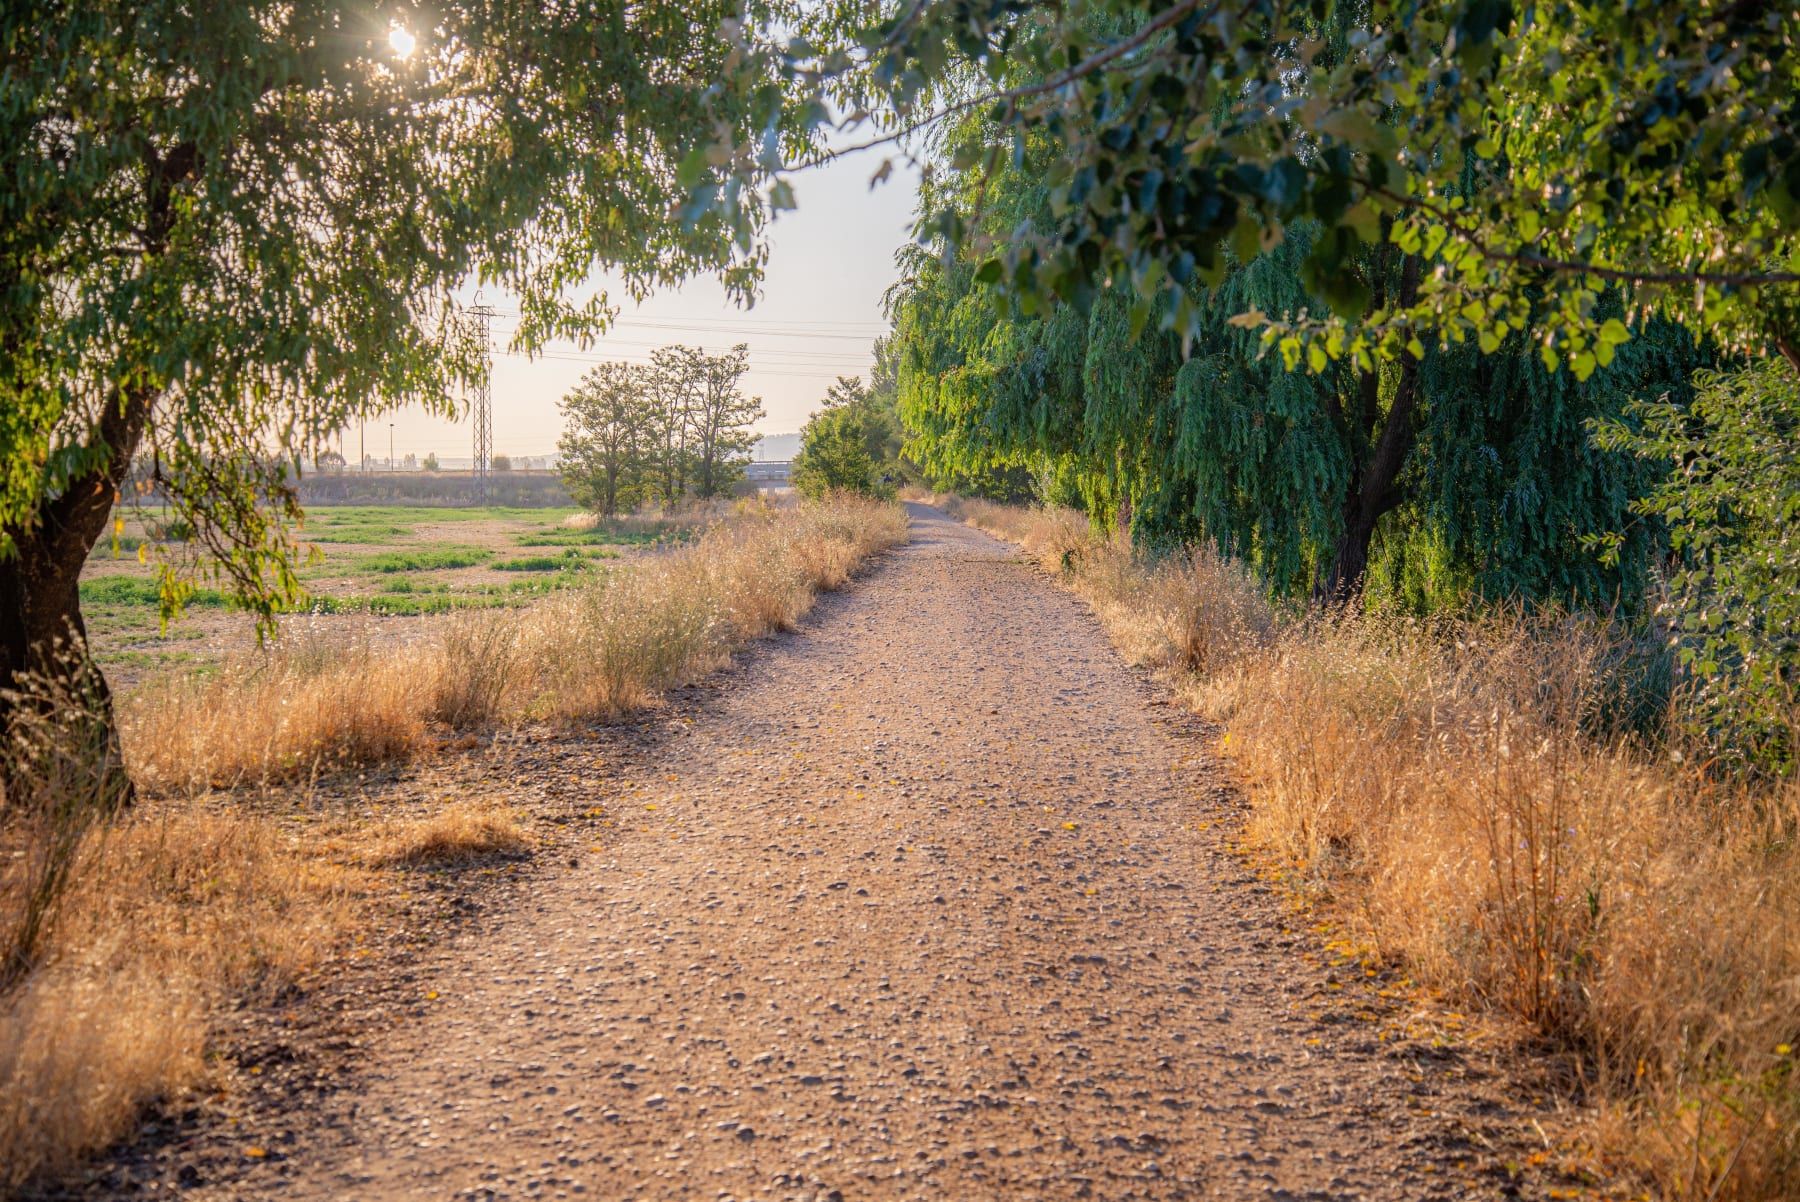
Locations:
(430, 462)
(502, 463)
(722, 418)
(669, 385)
(330, 461)
(866, 413)
(610, 444)
(834, 454)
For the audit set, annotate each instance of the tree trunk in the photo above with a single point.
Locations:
(1374, 488)
(41, 629)
(1790, 350)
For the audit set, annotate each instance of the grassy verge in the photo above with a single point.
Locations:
(191, 899)
(1475, 795)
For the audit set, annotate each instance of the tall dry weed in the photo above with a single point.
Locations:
(309, 704)
(1470, 792)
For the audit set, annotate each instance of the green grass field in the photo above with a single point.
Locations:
(357, 560)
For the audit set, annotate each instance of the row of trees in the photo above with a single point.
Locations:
(674, 427)
(1450, 473)
(1465, 314)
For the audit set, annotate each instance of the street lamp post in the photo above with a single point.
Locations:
(390, 446)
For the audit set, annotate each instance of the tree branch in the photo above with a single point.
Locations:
(1620, 275)
(1085, 67)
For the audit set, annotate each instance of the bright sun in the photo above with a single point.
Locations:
(402, 42)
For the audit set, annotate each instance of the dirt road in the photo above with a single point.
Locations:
(930, 905)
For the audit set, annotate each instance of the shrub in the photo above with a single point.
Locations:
(1730, 505)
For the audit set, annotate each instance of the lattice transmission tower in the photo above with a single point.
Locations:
(481, 407)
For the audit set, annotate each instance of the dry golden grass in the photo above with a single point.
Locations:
(289, 712)
(165, 915)
(1460, 790)
(452, 835)
(307, 706)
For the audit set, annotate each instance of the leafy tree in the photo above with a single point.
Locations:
(501, 463)
(877, 407)
(226, 232)
(721, 419)
(1730, 504)
(670, 393)
(1537, 156)
(430, 462)
(700, 419)
(608, 448)
(834, 454)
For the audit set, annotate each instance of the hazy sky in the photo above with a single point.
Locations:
(817, 318)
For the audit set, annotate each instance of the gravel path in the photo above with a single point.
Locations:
(930, 904)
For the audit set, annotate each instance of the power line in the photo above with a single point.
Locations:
(845, 331)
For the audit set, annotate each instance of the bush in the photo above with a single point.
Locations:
(834, 456)
(1730, 503)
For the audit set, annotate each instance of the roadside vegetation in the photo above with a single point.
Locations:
(1509, 802)
(855, 440)
(126, 928)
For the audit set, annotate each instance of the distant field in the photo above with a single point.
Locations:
(362, 563)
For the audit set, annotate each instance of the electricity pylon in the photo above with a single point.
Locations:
(481, 407)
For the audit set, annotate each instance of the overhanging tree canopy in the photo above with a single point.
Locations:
(1537, 153)
(227, 229)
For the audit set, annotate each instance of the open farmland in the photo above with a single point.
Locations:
(366, 566)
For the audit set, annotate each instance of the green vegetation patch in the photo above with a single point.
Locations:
(126, 547)
(371, 532)
(571, 560)
(114, 592)
(425, 560)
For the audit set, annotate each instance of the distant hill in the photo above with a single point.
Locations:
(776, 446)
